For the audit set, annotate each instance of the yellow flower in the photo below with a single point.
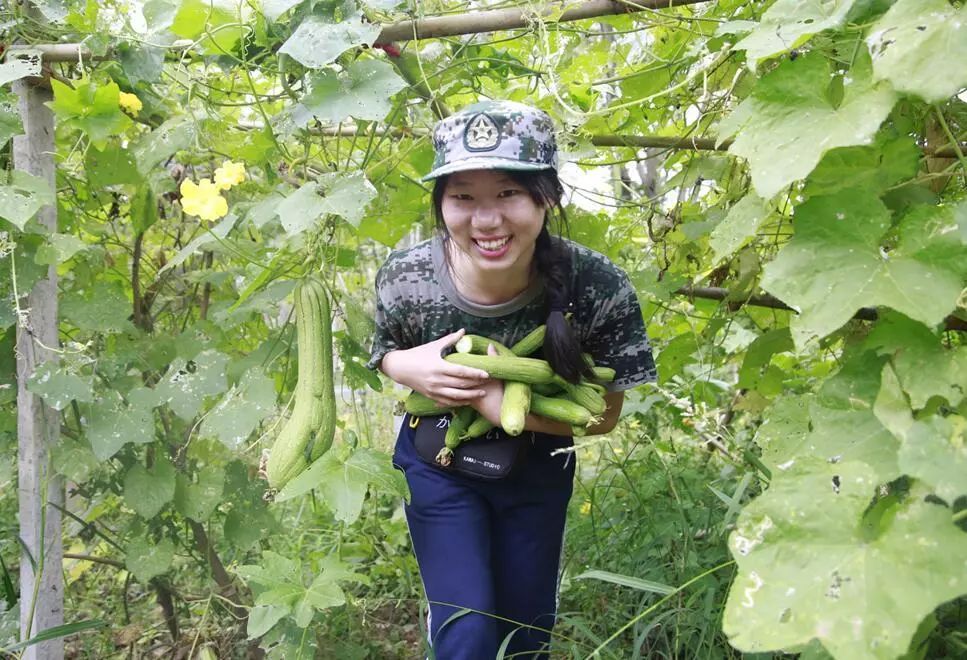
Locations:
(229, 174)
(586, 508)
(202, 199)
(130, 102)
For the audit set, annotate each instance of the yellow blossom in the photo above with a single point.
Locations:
(586, 507)
(202, 199)
(130, 102)
(229, 174)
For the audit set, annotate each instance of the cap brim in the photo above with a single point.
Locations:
(486, 163)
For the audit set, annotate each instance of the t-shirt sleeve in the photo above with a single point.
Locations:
(388, 335)
(616, 335)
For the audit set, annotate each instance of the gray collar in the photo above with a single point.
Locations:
(488, 311)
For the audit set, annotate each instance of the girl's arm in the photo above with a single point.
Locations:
(422, 368)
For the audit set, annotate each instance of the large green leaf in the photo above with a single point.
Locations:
(110, 425)
(23, 196)
(59, 248)
(58, 386)
(740, 224)
(216, 20)
(147, 558)
(234, 418)
(924, 366)
(876, 167)
(176, 134)
(21, 66)
(198, 500)
(147, 491)
(110, 166)
(188, 382)
(364, 90)
(74, 460)
(807, 569)
(789, 122)
(342, 476)
(342, 194)
(90, 107)
(787, 24)
(10, 123)
(103, 308)
(920, 46)
(837, 262)
(318, 41)
(935, 451)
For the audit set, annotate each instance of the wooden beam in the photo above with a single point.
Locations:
(766, 300)
(495, 20)
(40, 489)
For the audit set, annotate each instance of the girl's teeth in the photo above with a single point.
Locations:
(492, 245)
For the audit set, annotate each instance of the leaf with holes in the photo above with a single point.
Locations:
(147, 491)
(920, 46)
(788, 123)
(788, 24)
(808, 569)
(318, 41)
(58, 386)
(147, 558)
(22, 196)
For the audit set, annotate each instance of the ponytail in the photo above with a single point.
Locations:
(562, 347)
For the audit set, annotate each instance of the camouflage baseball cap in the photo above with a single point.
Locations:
(494, 135)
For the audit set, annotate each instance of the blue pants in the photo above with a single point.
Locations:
(493, 547)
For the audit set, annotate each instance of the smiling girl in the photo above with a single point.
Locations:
(489, 549)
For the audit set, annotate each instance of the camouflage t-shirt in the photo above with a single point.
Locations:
(417, 302)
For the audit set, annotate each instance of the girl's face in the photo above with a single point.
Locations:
(492, 220)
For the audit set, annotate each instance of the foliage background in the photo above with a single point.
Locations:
(794, 482)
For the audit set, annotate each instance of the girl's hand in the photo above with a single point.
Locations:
(489, 404)
(422, 368)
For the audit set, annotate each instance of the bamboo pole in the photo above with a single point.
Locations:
(40, 490)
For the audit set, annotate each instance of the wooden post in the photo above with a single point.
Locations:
(38, 425)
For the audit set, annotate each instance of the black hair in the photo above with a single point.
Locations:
(562, 346)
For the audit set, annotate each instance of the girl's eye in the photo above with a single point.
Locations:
(510, 192)
(463, 197)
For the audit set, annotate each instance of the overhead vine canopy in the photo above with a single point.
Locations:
(805, 154)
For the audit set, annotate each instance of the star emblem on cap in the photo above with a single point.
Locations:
(482, 133)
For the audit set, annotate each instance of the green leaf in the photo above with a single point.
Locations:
(626, 581)
(274, 571)
(756, 372)
(891, 406)
(318, 42)
(261, 618)
(176, 134)
(272, 9)
(147, 558)
(345, 195)
(144, 209)
(740, 224)
(342, 481)
(788, 24)
(147, 491)
(806, 570)
(58, 249)
(836, 263)
(914, 44)
(23, 196)
(187, 383)
(785, 424)
(197, 501)
(111, 166)
(219, 23)
(935, 451)
(364, 90)
(74, 460)
(399, 204)
(673, 357)
(239, 412)
(91, 108)
(110, 425)
(924, 366)
(142, 62)
(788, 123)
(213, 235)
(58, 386)
(10, 124)
(246, 524)
(103, 308)
(21, 65)
(875, 167)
